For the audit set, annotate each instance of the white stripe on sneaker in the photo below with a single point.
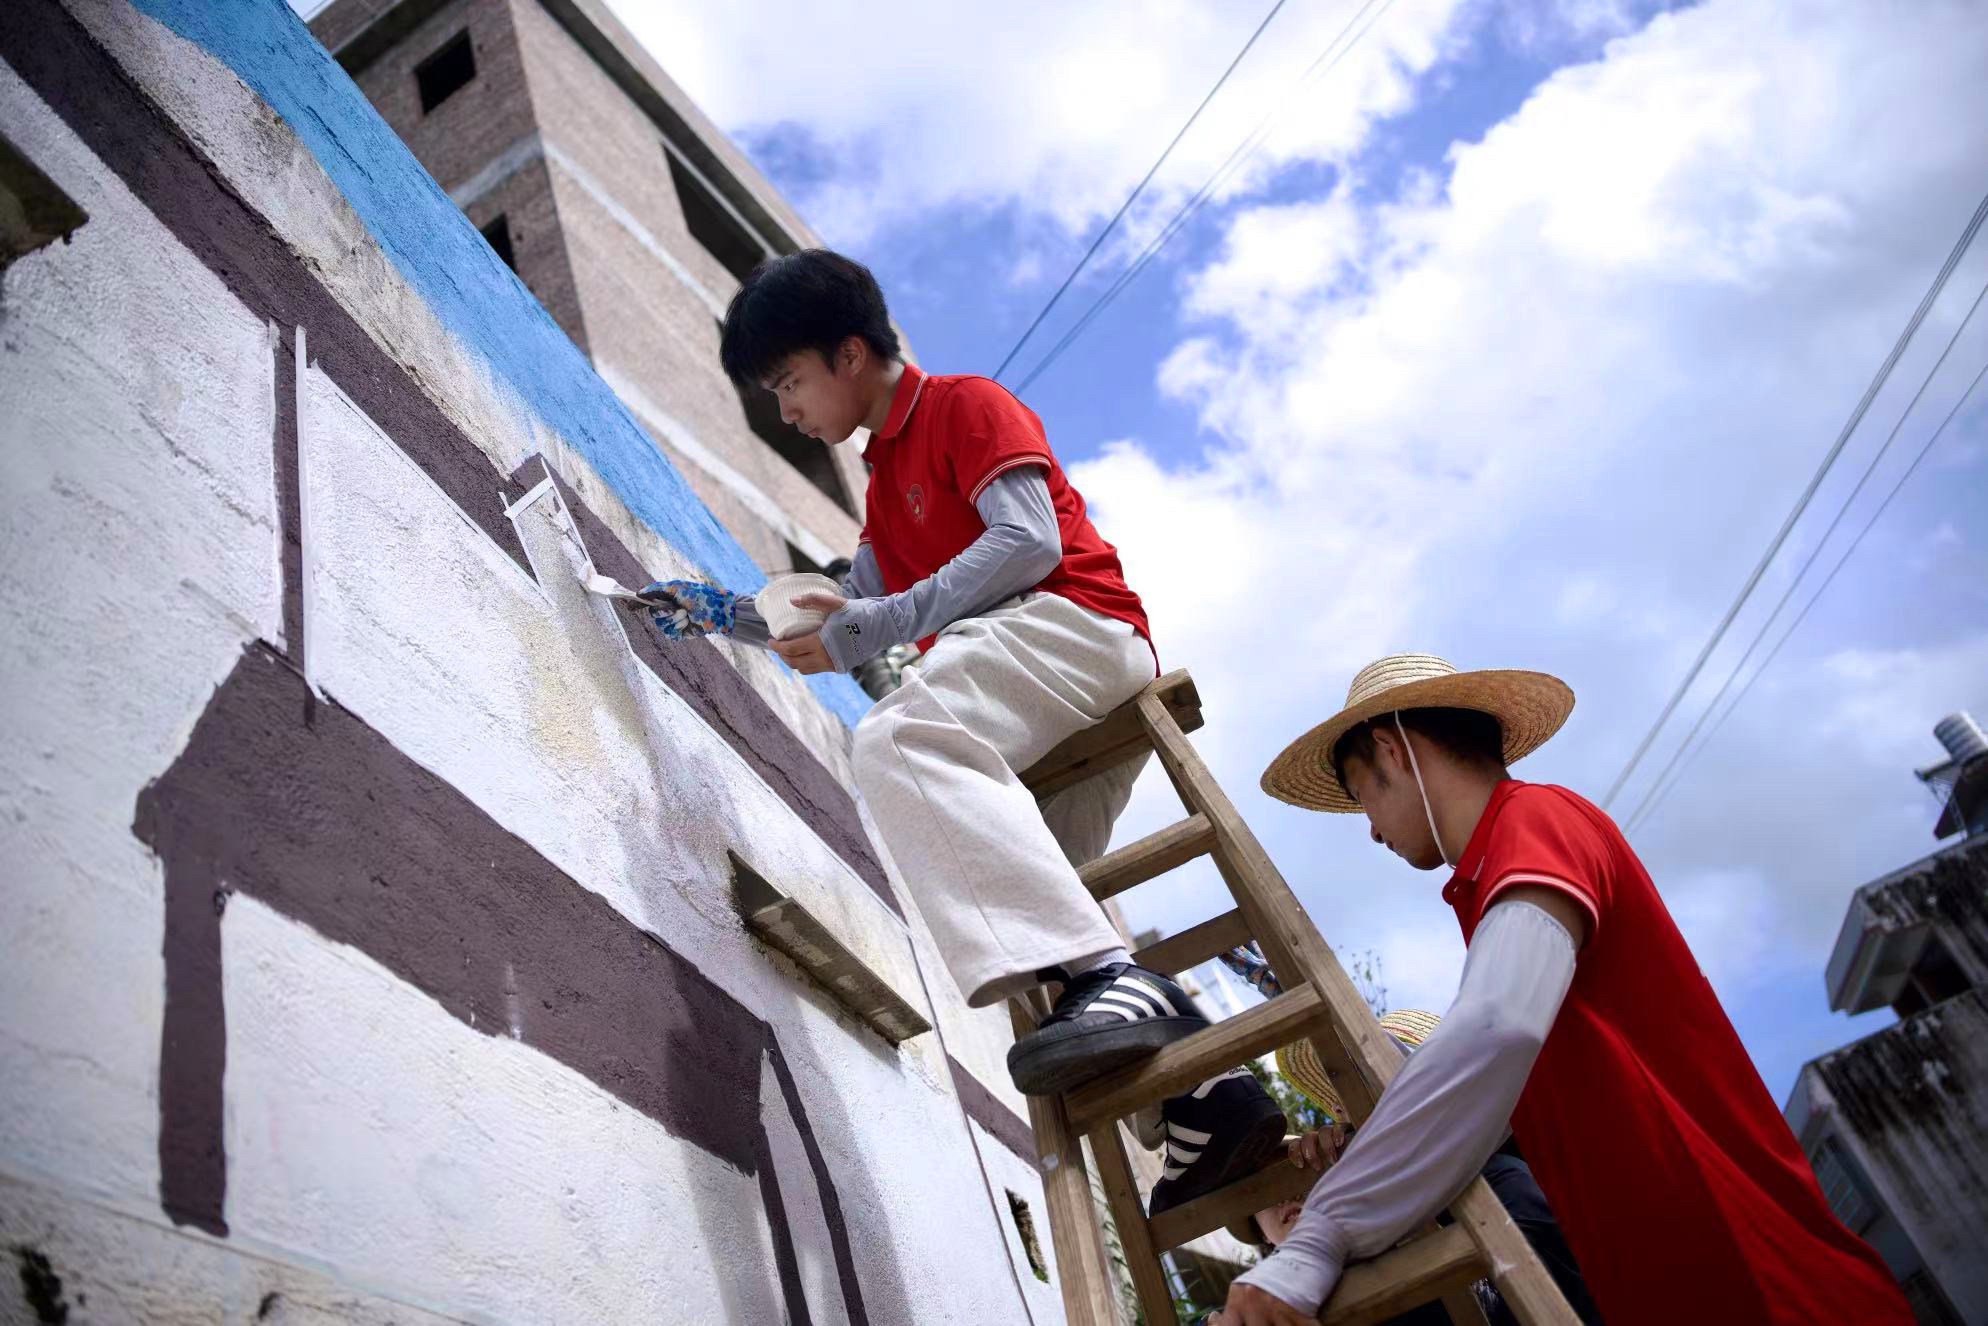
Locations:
(1193, 1136)
(1156, 991)
(1128, 1009)
(1135, 992)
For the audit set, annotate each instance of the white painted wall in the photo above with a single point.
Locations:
(137, 552)
(385, 1161)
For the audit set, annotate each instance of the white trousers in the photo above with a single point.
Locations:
(993, 874)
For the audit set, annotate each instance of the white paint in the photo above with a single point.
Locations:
(138, 533)
(463, 1172)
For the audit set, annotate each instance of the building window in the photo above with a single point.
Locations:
(713, 222)
(447, 70)
(1025, 1226)
(1836, 1174)
(498, 235)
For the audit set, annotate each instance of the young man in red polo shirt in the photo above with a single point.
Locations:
(1582, 1020)
(976, 546)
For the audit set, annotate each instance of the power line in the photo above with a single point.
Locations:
(1826, 582)
(1815, 553)
(1138, 189)
(1325, 61)
(1801, 503)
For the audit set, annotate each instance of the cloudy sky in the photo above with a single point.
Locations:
(1514, 341)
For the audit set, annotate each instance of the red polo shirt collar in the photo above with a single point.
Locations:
(909, 388)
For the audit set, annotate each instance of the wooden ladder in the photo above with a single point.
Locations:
(1318, 1001)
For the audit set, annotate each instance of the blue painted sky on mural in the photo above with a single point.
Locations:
(1516, 343)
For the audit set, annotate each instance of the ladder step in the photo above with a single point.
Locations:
(1195, 1058)
(1150, 857)
(1279, 1181)
(1190, 947)
(1120, 737)
(1402, 1277)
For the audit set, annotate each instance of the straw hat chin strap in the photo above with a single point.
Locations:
(1414, 765)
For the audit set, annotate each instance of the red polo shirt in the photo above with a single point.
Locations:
(1678, 1184)
(945, 440)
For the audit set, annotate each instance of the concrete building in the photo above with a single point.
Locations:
(395, 931)
(1896, 1124)
(630, 217)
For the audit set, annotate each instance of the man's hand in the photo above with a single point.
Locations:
(805, 654)
(687, 609)
(1318, 1148)
(821, 601)
(1250, 1306)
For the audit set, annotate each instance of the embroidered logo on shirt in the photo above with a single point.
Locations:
(852, 628)
(915, 499)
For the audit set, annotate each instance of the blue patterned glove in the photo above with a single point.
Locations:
(686, 609)
(1249, 963)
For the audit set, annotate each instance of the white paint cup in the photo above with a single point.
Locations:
(784, 621)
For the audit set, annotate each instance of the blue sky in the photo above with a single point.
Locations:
(1515, 343)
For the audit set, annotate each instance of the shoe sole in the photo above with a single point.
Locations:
(1060, 1059)
(1259, 1145)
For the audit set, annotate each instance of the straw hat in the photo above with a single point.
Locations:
(1300, 1066)
(1299, 1061)
(1529, 706)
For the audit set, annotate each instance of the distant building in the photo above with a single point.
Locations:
(629, 215)
(1896, 1124)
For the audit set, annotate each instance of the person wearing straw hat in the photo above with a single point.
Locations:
(1582, 1021)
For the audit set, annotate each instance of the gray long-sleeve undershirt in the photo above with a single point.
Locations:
(1020, 546)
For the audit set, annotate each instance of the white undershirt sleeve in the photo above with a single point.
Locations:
(1442, 1116)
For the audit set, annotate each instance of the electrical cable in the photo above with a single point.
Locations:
(1801, 503)
(1137, 189)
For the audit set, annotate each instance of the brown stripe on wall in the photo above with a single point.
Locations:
(988, 1110)
(289, 499)
(301, 805)
(696, 671)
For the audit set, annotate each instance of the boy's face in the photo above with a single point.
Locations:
(823, 398)
(1385, 788)
(1277, 1221)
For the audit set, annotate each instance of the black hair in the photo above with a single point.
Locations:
(811, 300)
(1469, 734)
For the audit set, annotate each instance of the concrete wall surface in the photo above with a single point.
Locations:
(371, 949)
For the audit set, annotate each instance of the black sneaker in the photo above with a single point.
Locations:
(1226, 1129)
(1107, 1018)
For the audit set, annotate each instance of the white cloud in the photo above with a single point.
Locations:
(1548, 414)
(1054, 110)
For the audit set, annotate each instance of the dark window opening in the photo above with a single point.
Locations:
(810, 457)
(447, 70)
(1841, 1187)
(712, 223)
(1025, 1226)
(498, 235)
(1936, 978)
(33, 209)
